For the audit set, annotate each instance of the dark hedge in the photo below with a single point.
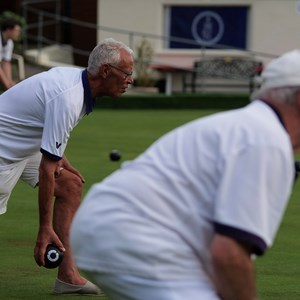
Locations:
(177, 101)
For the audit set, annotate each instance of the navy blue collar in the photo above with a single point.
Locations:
(88, 99)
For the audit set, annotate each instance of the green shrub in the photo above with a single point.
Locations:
(180, 101)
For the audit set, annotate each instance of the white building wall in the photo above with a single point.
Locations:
(274, 26)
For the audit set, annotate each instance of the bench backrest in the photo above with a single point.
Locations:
(227, 67)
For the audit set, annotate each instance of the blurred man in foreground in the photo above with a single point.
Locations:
(185, 218)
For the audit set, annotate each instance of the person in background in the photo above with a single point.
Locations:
(186, 218)
(10, 32)
(36, 118)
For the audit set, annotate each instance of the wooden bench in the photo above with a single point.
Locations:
(223, 73)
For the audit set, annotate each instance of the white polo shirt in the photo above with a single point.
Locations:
(230, 173)
(6, 49)
(39, 113)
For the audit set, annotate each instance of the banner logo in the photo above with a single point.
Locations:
(207, 28)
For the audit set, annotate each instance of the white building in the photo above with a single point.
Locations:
(183, 31)
(272, 25)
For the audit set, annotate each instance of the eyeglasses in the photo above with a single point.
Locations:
(126, 74)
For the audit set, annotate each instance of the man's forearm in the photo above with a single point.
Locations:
(233, 270)
(46, 190)
(6, 66)
(235, 282)
(4, 79)
(46, 194)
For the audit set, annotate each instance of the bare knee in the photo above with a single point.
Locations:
(68, 185)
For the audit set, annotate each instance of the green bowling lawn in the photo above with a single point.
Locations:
(131, 132)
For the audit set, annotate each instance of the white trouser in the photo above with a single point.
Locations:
(10, 173)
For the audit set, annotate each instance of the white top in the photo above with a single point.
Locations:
(6, 50)
(231, 173)
(40, 112)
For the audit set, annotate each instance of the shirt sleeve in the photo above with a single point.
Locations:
(253, 193)
(60, 119)
(7, 51)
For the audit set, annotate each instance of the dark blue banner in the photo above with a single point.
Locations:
(210, 27)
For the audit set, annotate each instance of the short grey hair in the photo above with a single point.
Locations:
(280, 94)
(106, 52)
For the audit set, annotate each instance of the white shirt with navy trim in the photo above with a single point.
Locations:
(39, 113)
(230, 173)
(6, 49)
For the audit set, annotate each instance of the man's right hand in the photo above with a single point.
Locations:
(46, 236)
